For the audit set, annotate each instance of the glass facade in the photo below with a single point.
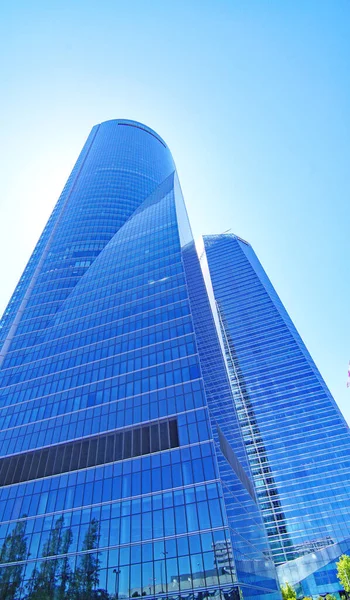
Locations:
(297, 441)
(123, 471)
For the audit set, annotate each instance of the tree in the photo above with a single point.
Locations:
(54, 579)
(330, 597)
(14, 549)
(288, 592)
(54, 574)
(343, 571)
(64, 567)
(86, 577)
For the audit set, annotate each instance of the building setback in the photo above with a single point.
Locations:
(296, 438)
(123, 471)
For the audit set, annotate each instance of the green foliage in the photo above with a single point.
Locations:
(330, 597)
(84, 582)
(65, 573)
(288, 592)
(45, 580)
(53, 578)
(14, 549)
(343, 571)
(307, 598)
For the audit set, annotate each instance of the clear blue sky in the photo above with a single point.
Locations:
(251, 96)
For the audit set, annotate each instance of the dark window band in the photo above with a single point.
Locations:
(96, 450)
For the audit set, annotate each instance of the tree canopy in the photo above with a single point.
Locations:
(288, 592)
(343, 571)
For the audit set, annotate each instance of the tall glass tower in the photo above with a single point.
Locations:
(297, 440)
(123, 471)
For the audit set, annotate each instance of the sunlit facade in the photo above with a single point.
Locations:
(296, 438)
(123, 472)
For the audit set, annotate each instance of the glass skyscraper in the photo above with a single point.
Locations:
(296, 438)
(123, 470)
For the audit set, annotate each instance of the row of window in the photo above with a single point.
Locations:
(72, 428)
(120, 327)
(126, 529)
(103, 293)
(123, 362)
(164, 575)
(126, 269)
(159, 376)
(25, 340)
(36, 310)
(120, 480)
(160, 293)
(103, 397)
(193, 426)
(142, 289)
(103, 339)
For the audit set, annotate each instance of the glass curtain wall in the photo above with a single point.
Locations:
(297, 441)
(116, 478)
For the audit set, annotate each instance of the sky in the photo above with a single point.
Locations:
(252, 97)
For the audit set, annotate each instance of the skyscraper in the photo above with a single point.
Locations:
(297, 440)
(123, 472)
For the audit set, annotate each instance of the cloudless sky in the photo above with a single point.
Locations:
(252, 97)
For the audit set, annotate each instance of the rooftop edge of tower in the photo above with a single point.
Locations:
(138, 125)
(226, 235)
